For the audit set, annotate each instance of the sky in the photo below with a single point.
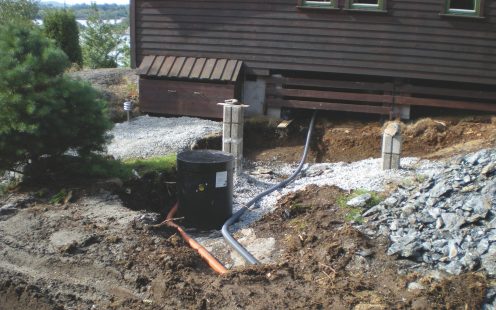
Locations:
(70, 2)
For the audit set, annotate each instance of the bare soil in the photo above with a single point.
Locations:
(95, 251)
(345, 140)
(93, 254)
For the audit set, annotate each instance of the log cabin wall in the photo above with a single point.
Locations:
(411, 40)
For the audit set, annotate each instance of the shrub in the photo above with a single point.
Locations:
(61, 26)
(42, 112)
(100, 42)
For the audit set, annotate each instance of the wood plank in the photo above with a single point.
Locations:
(167, 66)
(359, 108)
(235, 76)
(198, 68)
(229, 70)
(219, 69)
(442, 91)
(177, 66)
(331, 95)
(145, 65)
(187, 67)
(183, 98)
(375, 86)
(208, 68)
(132, 32)
(156, 65)
(450, 104)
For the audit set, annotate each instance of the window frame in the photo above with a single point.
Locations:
(315, 4)
(379, 7)
(477, 12)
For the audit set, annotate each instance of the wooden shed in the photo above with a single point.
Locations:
(187, 85)
(369, 56)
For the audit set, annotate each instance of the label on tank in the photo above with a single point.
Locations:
(221, 179)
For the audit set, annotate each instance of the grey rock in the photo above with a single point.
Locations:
(8, 209)
(452, 220)
(440, 189)
(488, 260)
(434, 212)
(472, 159)
(488, 169)
(483, 246)
(394, 225)
(470, 261)
(439, 223)
(453, 267)
(391, 201)
(407, 210)
(415, 286)
(453, 249)
(425, 219)
(359, 201)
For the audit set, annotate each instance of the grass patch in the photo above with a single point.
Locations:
(99, 167)
(355, 214)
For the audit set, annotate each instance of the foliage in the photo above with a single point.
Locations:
(42, 112)
(101, 42)
(18, 11)
(61, 26)
(82, 11)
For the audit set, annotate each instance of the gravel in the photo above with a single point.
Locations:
(365, 174)
(147, 136)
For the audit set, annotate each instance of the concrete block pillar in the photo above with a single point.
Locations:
(391, 147)
(232, 131)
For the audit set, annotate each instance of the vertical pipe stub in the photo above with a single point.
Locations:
(205, 187)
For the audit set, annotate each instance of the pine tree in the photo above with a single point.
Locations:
(61, 26)
(42, 112)
(100, 42)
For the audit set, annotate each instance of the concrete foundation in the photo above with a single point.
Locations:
(391, 147)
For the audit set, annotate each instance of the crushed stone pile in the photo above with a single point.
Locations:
(449, 221)
(147, 136)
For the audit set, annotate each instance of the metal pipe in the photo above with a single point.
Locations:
(233, 219)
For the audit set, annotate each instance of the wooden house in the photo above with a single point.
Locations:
(369, 56)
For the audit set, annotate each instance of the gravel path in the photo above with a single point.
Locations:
(147, 136)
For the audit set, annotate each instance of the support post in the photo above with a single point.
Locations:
(391, 147)
(232, 131)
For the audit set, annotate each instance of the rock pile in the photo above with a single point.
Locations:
(449, 221)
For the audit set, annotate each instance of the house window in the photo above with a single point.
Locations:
(368, 5)
(463, 7)
(320, 4)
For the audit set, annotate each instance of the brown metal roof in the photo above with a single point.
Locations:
(196, 68)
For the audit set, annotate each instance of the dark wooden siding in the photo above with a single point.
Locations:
(410, 41)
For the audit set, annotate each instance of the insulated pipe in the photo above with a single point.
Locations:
(209, 258)
(233, 219)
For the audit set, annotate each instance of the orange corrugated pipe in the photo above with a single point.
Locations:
(209, 258)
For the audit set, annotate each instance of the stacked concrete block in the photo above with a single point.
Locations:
(232, 135)
(391, 147)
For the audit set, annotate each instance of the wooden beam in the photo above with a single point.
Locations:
(449, 104)
(314, 105)
(335, 84)
(319, 94)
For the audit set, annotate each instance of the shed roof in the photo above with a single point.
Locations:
(190, 68)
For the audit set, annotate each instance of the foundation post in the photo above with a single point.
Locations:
(232, 131)
(391, 147)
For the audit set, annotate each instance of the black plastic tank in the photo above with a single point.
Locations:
(205, 187)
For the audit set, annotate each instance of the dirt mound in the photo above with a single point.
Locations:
(344, 140)
(116, 86)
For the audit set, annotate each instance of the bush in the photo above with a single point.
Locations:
(101, 42)
(61, 26)
(43, 113)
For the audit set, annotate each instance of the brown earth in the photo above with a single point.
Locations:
(344, 140)
(94, 253)
(121, 263)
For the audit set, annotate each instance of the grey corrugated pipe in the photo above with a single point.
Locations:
(233, 219)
